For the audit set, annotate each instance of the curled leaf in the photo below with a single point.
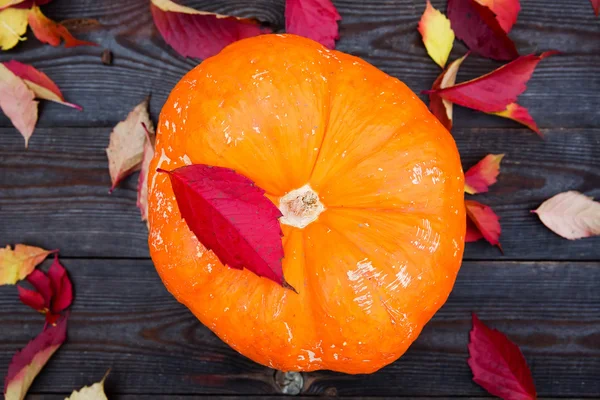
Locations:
(437, 34)
(519, 114)
(231, 216)
(483, 174)
(18, 263)
(494, 91)
(13, 25)
(571, 215)
(94, 392)
(126, 148)
(17, 102)
(27, 363)
(485, 220)
(440, 107)
(314, 19)
(142, 191)
(40, 84)
(200, 34)
(48, 31)
(506, 11)
(476, 25)
(498, 364)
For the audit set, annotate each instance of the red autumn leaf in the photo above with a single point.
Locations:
(596, 6)
(40, 84)
(314, 19)
(439, 107)
(42, 284)
(200, 34)
(28, 3)
(27, 363)
(476, 25)
(142, 190)
(61, 286)
(483, 174)
(494, 91)
(519, 114)
(485, 220)
(498, 365)
(48, 31)
(231, 216)
(473, 234)
(31, 298)
(506, 11)
(17, 102)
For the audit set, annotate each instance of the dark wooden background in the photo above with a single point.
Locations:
(544, 292)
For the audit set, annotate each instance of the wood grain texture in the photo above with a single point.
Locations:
(124, 319)
(55, 194)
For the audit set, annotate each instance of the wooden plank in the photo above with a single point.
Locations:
(124, 319)
(564, 92)
(55, 194)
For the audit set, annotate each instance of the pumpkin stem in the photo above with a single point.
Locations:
(300, 207)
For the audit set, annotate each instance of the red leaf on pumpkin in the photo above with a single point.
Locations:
(27, 363)
(48, 31)
(476, 25)
(519, 114)
(31, 298)
(314, 19)
(61, 286)
(142, 190)
(494, 91)
(40, 84)
(506, 11)
(498, 365)
(231, 216)
(482, 175)
(596, 6)
(200, 34)
(17, 102)
(485, 220)
(42, 284)
(439, 107)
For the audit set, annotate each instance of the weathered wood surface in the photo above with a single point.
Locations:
(124, 319)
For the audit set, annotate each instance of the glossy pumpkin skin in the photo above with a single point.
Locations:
(376, 264)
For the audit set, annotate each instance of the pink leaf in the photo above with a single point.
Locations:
(42, 284)
(476, 25)
(32, 299)
(482, 175)
(200, 34)
(27, 363)
(61, 285)
(41, 85)
(231, 216)
(571, 215)
(498, 365)
(485, 220)
(17, 102)
(314, 19)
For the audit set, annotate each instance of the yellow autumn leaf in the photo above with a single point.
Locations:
(94, 392)
(437, 34)
(13, 24)
(18, 263)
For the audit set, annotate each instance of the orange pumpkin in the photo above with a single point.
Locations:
(370, 185)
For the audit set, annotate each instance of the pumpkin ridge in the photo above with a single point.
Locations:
(325, 129)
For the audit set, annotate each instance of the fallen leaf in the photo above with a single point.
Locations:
(200, 34)
(506, 11)
(314, 19)
(571, 215)
(40, 281)
(231, 216)
(476, 25)
(473, 234)
(27, 363)
(485, 220)
(25, 4)
(142, 191)
(440, 107)
(9, 3)
(438, 36)
(596, 6)
(31, 298)
(17, 102)
(126, 148)
(483, 174)
(18, 263)
(494, 91)
(13, 25)
(62, 287)
(498, 365)
(94, 392)
(48, 31)
(40, 84)
(519, 114)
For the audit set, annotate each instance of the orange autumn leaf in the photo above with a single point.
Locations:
(440, 107)
(519, 114)
(17, 102)
(483, 174)
(126, 148)
(485, 220)
(48, 31)
(18, 263)
(571, 215)
(437, 34)
(506, 11)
